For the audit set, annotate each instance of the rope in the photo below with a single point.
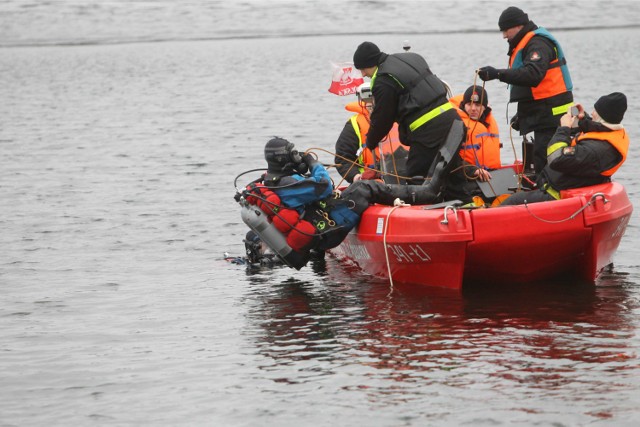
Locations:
(355, 163)
(393, 159)
(570, 217)
(397, 203)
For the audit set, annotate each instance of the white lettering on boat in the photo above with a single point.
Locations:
(380, 226)
(355, 251)
(409, 253)
(621, 228)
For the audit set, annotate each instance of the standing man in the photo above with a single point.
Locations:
(407, 92)
(538, 77)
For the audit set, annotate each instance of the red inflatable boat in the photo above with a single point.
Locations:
(447, 245)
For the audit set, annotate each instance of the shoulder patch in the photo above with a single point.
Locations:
(535, 56)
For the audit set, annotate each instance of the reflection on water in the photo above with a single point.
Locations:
(116, 201)
(541, 336)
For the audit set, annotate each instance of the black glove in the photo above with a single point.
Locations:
(488, 73)
(515, 123)
(309, 159)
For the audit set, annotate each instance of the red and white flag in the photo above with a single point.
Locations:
(346, 78)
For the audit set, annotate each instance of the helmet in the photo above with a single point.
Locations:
(281, 157)
(364, 92)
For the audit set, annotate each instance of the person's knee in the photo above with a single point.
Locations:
(514, 199)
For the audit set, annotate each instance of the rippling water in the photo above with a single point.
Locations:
(122, 128)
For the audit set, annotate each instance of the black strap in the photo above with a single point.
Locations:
(558, 63)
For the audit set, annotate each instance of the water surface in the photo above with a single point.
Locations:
(122, 128)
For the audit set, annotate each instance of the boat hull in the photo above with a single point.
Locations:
(576, 236)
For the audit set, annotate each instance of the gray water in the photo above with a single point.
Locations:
(122, 128)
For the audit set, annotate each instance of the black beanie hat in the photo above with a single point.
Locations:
(512, 17)
(475, 94)
(611, 107)
(366, 55)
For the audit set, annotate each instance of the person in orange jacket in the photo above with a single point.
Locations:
(538, 78)
(480, 152)
(351, 144)
(482, 146)
(589, 158)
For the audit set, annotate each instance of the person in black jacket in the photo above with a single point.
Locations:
(539, 80)
(407, 92)
(590, 158)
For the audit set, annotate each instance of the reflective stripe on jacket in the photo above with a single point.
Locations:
(360, 123)
(482, 146)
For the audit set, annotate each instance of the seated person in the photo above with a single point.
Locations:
(482, 146)
(589, 158)
(352, 155)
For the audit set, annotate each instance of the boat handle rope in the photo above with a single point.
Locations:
(573, 215)
(397, 203)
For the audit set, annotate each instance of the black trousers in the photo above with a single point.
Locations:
(541, 138)
(425, 142)
(534, 196)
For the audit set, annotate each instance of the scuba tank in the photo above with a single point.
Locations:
(258, 221)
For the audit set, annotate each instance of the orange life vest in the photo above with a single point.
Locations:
(557, 79)
(361, 124)
(482, 146)
(617, 138)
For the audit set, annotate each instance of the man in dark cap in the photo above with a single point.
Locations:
(407, 92)
(482, 147)
(538, 77)
(480, 152)
(590, 158)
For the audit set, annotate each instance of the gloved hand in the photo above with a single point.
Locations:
(515, 123)
(309, 159)
(488, 73)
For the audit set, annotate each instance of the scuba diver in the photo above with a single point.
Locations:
(295, 211)
(257, 253)
(298, 211)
